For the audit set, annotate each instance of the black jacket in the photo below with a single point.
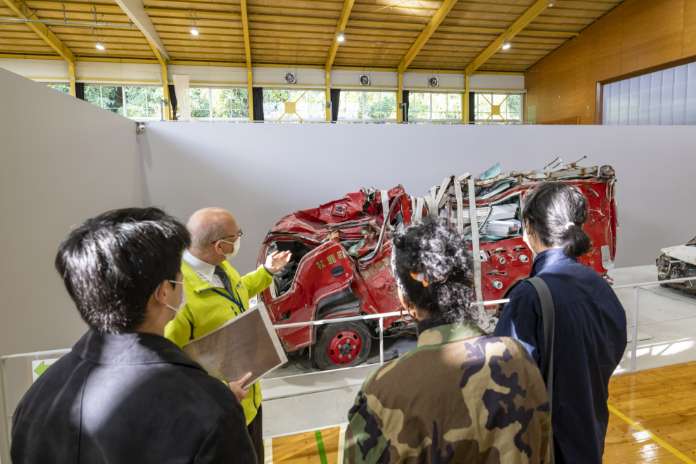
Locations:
(590, 339)
(129, 398)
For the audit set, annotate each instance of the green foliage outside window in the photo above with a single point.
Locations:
(367, 106)
(108, 97)
(59, 86)
(219, 103)
(143, 102)
(132, 101)
(431, 106)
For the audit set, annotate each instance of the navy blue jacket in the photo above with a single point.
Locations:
(590, 339)
(130, 398)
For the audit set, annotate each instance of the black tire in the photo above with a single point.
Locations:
(351, 338)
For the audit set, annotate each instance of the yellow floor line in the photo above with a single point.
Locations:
(683, 457)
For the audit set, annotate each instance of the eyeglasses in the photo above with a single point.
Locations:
(238, 235)
(180, 282)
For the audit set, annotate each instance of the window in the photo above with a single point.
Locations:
(59, 86)
(219, 103)
(367, 106)
(430, 106)
(664, 97)
(497, 108)
(142, 102)
(134, 102)
(294, 105)
(108, 97)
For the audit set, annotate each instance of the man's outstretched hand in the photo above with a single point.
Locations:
(276, 261)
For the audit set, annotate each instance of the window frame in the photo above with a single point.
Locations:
(457, 119)
(321, 116)
(368, 121)
(210, 117)
(124, 98)
(472, 110)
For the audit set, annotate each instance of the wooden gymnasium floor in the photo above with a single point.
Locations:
(652, 420)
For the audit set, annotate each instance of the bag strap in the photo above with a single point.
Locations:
(548, 321)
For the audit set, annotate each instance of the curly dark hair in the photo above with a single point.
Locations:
(113, 263)
(440, 259)
(555, 212)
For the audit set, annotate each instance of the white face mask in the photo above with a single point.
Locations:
(237, 243)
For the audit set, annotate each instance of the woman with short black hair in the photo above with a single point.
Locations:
(460, 396)
(590, 323)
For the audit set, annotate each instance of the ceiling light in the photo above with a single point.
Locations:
(552, 4)
(340, 37)
(100, 46)
(194, 32)
(506, 46)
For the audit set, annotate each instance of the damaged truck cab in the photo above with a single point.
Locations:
(341, 252)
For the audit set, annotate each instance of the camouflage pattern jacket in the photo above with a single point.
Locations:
(459, 397)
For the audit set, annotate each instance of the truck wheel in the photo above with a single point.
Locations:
(342, 345)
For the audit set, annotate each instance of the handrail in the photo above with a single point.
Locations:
(654, 282)
(36, 353)
(370, 316)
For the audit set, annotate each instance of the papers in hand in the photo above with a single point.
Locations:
(247, 343)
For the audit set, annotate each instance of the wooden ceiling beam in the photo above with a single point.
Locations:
(426, 33)
(515, 28)
(340, 29)
(247, 57)
(23, 12)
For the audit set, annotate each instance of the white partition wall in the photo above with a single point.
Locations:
(263, 171)
(63, 160)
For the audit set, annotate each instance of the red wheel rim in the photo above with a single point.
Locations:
(344, 347)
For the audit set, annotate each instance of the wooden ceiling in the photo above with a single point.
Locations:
(379, 33)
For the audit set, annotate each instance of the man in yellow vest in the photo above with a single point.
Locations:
(215, 293)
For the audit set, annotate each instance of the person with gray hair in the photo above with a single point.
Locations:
(216, 293)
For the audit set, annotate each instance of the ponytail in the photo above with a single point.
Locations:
(577, 242)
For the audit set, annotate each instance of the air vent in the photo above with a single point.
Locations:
(290, 78)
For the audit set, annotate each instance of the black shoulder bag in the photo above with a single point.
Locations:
(548, 321)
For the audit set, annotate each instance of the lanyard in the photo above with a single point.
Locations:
(233, 298)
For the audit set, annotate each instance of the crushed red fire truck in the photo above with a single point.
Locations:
(341, 252)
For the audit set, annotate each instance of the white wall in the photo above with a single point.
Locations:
(56, 70)
(38, 70)
(263, 171)
(63, 160)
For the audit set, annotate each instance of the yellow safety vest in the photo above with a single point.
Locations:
(206, 310)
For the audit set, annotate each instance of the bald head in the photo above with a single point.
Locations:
(210, 224)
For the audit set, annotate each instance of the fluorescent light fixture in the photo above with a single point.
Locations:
(100, 46)
(194, 32)
(506, 46)
(340, 37)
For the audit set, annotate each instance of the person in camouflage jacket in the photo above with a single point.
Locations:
(460, 396)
